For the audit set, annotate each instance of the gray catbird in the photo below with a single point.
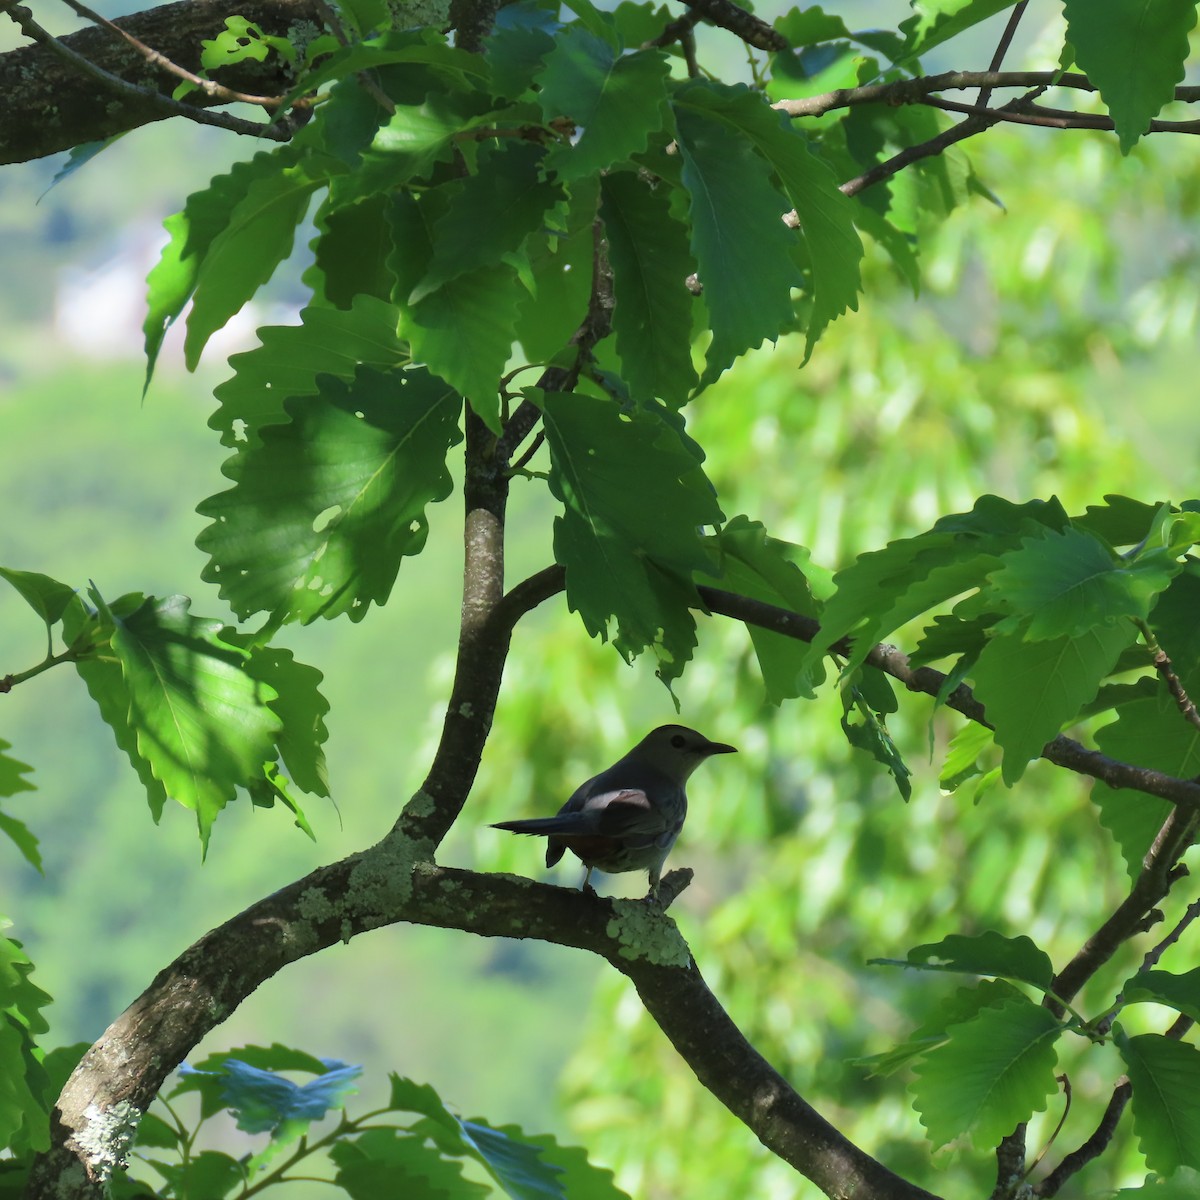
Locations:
(628, 817)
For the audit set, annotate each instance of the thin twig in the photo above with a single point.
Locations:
(208, 86)
(674, 30)
(1014, 19)
(24, 18)
(1153, 955)
(911, 154)
(1093, 1147)
(1166, 672)
(1024, 112)
(751, 29)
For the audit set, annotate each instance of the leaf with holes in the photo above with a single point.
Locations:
(322, 512)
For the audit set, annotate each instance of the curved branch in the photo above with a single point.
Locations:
(385, 885)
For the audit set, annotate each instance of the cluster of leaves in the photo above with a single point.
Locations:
(199, 708)
(413, 1141)
(986, 1060)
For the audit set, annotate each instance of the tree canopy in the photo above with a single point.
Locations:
(710, 325)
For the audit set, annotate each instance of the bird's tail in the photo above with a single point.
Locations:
(538, 825)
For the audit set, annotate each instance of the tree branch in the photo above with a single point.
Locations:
(50, 104)
(751, 29)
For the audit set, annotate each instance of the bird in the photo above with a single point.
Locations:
(628, 817)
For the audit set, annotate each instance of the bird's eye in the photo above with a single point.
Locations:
(679, 741)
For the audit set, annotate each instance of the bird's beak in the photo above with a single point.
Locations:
(719, 748)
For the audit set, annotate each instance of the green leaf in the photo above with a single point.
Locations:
(1133, 53)
(12, 782)
(352, 252)
(962, 755)
(652, 314)
(255, 237)
(1120, 520)
(871, 734)
(1065, 583)
(202, 722)
(190, 235)
(478, 309)
(987, 953)
(1165, 1074)
(1032, 689)
(617, 100)
(561, 265)
(954, 1009)
(322, 512)
(743, 249)
(1146, 733)
(409, 145)
(937, 21)
(994, 1071)
(24, 1105)
(47, 597)
(521, 37)
(489, 216)
(1183, 1184)
(886, 588)
(634, 495)
(209, 1175)
(382, 1163)
(751, 563)
(106, 685)
(825, 215)
(301, 708)
(289, 358)
(1180, 992)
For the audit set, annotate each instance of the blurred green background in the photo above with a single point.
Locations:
(1052, 350)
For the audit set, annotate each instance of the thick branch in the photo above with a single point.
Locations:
(385, 885)
(49, 105)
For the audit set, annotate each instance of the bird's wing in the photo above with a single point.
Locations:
(626, 812)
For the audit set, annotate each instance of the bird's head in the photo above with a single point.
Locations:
(676, 750)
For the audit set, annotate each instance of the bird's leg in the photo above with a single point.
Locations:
(586, 885)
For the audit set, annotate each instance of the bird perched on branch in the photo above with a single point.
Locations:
(628, 817)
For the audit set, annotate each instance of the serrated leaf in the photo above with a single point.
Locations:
(960, 1006)
(257, 235)
(886, 588)
(301, 708)
(288, 359)
(1183, 1184)
(1146, 733)
(989, 953)
(562, 266)
(489, 216)
(413, 140)
(1061, 584)
(743, 249)
(751, 563)
(634, 495)
(1180, 992)
(191, 233)
(202, 723)
(1133, 53)
(24, 1105)
(351, 252)
(825, 215)
(521, 37)
(105, 683)
(209, 1175)
(616, 100)
(478, 308)
(962, 755)
(11, 772)
(994, 1071)
(379, 1163)
(47, 597)
(263, 1100)
(322, 512)
(12, 782)
(652, 314)
(1120, 520)
(1032, 689)
(871, 735)
(1165, 1074)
